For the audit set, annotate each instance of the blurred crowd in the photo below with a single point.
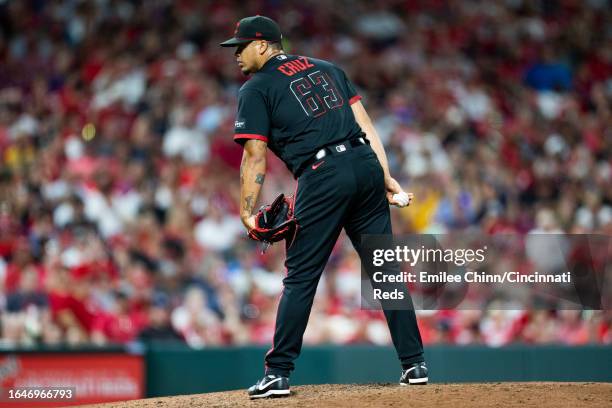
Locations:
(119, 176)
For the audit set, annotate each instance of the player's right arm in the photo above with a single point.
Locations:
(364, 121)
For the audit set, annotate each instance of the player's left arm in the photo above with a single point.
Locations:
(252, 176)
(251, 130)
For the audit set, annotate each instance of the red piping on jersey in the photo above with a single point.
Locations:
(354, 99)
(297, 227)
(297, 183)
(250, 136)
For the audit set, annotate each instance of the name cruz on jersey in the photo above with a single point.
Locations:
(291, 68)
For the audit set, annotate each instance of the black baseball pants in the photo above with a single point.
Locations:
(343, 190)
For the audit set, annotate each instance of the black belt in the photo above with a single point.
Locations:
(334, 148)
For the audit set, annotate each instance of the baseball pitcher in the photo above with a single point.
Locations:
(308, 113)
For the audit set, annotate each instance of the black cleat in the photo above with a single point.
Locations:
(270, 386)
(415, 374)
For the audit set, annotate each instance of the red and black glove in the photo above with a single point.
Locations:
(275, 222)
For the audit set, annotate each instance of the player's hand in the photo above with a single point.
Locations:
(393, 188)
(249, 222)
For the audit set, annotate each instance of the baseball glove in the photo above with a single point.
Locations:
(275, 222)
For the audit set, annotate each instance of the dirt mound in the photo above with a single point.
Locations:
(540, 395)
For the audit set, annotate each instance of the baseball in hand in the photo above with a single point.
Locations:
(401, 198)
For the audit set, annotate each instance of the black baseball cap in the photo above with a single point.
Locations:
(254, 28)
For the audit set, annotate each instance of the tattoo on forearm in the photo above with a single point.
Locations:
(248, 204)
(259, 178)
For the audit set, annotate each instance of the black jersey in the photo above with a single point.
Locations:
(296, 105)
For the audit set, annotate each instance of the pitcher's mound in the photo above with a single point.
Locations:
(540, 395)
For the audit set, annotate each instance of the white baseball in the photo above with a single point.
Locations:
(401, 198)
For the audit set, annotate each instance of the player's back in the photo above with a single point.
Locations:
(307, 105)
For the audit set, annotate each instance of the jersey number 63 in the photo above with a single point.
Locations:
(316, 94)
